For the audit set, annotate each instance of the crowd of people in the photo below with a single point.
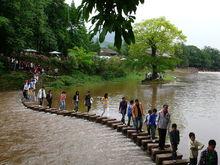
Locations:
(29, 88)
(16, 64)
(161, 121)
(134, 110)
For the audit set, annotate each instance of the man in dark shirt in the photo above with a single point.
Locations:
(88, 101)
(174, 140)
(49, 98)
(209, 156)
(123, 109)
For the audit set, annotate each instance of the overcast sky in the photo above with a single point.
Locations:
(198, 19)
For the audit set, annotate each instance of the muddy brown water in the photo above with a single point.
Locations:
(29, 137)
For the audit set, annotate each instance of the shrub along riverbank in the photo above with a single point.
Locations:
(80, 68)
(13, 80)
(80, 79)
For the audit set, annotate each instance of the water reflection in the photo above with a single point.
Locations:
(154, 96)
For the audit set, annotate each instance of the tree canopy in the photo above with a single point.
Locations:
(207, 58)
(156, 40)
(44, 25)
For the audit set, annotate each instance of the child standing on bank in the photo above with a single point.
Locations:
(194, 147)
(174, 140)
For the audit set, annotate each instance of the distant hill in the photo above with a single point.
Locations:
(105, 44)
(109, 40)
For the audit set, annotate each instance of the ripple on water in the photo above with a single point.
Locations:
(29, 137)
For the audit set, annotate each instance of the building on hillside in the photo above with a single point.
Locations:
(107, 52)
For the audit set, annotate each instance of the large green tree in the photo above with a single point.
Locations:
(44, 25)
(207, 58)
(156, 40)
(19, 21)
(211, 58)
(194, 55)
(78, 33)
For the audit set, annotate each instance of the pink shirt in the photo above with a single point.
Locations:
(62, 97)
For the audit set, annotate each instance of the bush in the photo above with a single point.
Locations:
(109, 69)
(2, 68)
(77, 78)
(82, 60)
(67, 80)
(13, 80)
(57, 84)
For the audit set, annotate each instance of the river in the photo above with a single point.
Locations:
(29, 137)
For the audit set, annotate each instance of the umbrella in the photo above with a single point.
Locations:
(30, 50)
(55, 52)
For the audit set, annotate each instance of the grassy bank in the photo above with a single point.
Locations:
(13, 80)
(79, 79)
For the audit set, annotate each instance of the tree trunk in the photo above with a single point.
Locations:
(154, 66)
(154, 72)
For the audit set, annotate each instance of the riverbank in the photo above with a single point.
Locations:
(13, 80)
(80, 79)
(183, 71)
